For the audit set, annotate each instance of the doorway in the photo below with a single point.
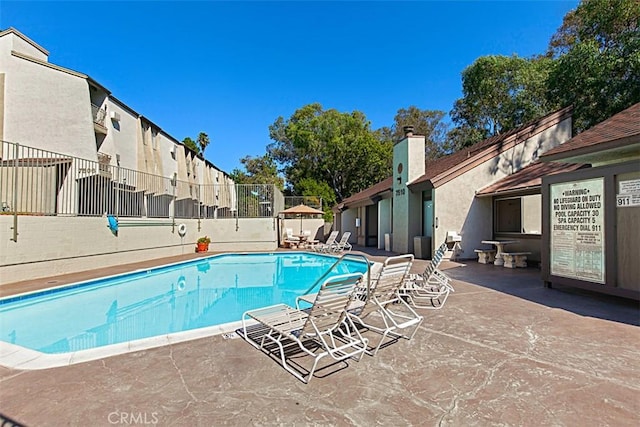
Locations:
(371, 226)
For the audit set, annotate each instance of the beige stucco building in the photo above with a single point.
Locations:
(423, 202)
(51, 108)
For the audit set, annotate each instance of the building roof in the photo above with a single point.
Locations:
(12, 30)
(444, 169)
(366, 197)
(619, 132)
(527, 178)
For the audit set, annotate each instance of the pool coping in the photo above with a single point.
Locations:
(18, 357)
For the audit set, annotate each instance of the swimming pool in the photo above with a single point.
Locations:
(160, 302)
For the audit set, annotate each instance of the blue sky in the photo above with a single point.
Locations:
(230, 69)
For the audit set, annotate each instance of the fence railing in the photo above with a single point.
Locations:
(40, 182)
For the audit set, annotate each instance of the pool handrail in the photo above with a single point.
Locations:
(338, 261)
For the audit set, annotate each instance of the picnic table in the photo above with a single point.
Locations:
(499, 244)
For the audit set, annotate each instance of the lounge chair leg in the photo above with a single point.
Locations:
(283, 359)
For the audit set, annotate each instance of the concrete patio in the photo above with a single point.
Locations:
(503, 351)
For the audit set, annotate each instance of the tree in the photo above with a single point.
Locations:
(259, 170)
(328, 146)
(198, 146)
(597, 49)
(425, 122)
(191, 145)
(311, 187)
(499, 93)
(203, 141)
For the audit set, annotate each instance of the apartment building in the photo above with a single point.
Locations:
(137, 165)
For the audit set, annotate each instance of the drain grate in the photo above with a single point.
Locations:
(230, 336)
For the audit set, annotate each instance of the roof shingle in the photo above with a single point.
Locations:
(623, 125)
(529, 177)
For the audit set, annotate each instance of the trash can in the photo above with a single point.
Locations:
(422, 247)
(387, 242)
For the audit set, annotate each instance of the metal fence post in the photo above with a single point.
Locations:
(199, 207)
(15, 192)
(172, 209)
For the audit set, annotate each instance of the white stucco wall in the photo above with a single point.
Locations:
(348, 223)
(168, 164)
(10, 41)
(49, 246)
(121, 136)
(457, 208)
(181, 163)
(47, 108)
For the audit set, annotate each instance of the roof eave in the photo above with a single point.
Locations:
(421, 186)
(522, 190)
(574, 155)
(12, 30)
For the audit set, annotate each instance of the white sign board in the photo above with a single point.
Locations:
(629, 193)
(577, 230)
(631, 186)
(627, 200)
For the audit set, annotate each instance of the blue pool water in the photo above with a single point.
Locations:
(160, 301)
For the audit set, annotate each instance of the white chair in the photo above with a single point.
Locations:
(343, 244)
(431, 288)
(394, 314)
(323, 330)
(289, 239)
(308, 242)
(379, 307)
(326, 246)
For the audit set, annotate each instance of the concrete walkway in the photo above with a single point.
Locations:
(503, 351)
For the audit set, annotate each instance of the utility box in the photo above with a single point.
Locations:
(387, 242)
(453, 237)
(422, 247)
(453, 245)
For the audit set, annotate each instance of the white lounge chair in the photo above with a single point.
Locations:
(326, 246)
(393, 312)
(431, 288)
(289, 238)
(306, 240)
(343, 244)
(324, 330)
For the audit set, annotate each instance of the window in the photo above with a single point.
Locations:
(520, 215)
(154, 139)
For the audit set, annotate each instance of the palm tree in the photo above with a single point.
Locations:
(203, 141)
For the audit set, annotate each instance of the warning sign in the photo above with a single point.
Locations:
(577, 230)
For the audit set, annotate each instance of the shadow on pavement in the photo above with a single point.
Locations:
(526, 283)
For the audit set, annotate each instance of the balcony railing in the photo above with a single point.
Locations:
(40, 182)
(99, 117)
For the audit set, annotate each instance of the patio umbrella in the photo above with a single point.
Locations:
(302, 210)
